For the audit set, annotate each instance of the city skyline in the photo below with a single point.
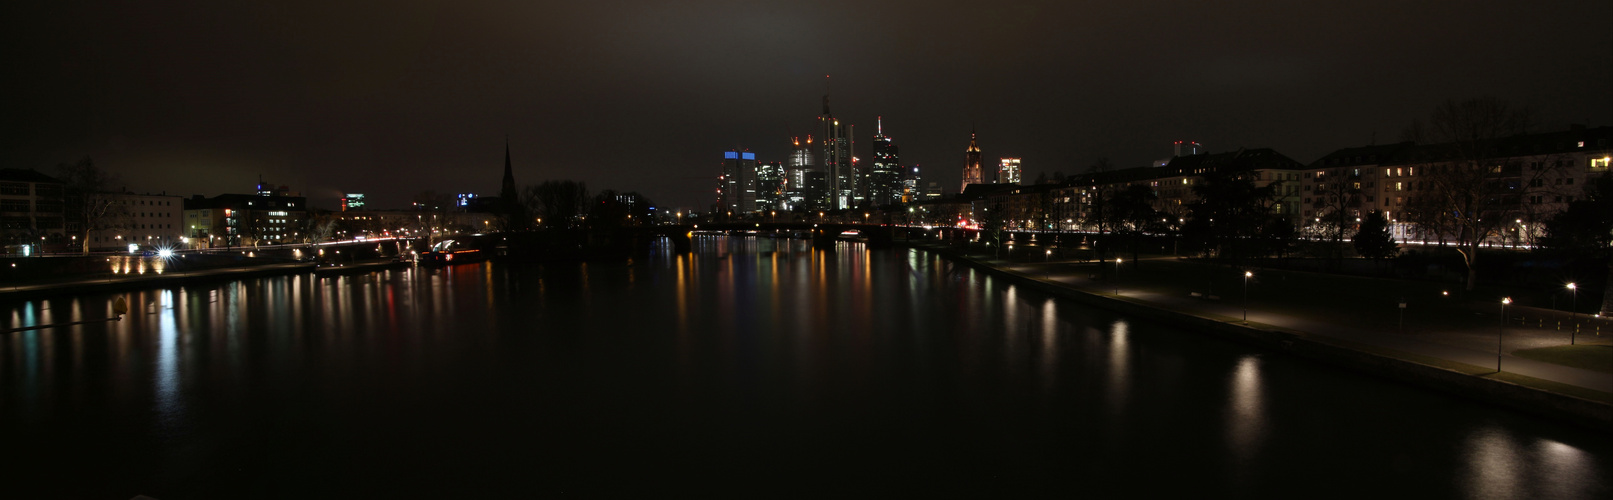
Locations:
(394, 100)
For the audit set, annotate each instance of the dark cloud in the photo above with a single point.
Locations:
(393, 98)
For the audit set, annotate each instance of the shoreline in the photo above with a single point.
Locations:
(1520, 393)
(28, 292)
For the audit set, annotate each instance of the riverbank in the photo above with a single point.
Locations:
(1437, 358)
(115, 282)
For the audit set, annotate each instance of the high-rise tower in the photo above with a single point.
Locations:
(1008, 171)
(797, 190)
(738, 183)
(971, 163)
(911, 182)
(837, 162)
(885, 177)
(770, 184)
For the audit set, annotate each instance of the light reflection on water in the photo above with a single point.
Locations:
(170, 406)
(768, 358)
(1246, 418)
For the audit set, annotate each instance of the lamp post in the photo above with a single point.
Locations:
(1498, 329)
(1246, 276)
(1117, 276)
(1401, 327)
(1573, 315)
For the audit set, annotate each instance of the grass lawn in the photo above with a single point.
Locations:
(1589, 357)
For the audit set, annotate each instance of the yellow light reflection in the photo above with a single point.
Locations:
(1245, 412)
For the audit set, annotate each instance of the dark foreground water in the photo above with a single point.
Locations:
(750, 367)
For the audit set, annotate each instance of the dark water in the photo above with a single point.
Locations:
(750, 367)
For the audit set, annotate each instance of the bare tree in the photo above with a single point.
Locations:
(321, 227)
(1132, 210)
(90, 203)
(993, 222)
(1337, 200)
(1471, 189)
(557, 203)
(1097, 197)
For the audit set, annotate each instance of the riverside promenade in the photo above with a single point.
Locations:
(108, 282)
(1444, 339)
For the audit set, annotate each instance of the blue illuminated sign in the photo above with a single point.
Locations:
(748, 156)
(730, 155)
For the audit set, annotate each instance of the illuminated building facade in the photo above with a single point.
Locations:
(353, 201)
(795, 186)
(1537, 175)
(971, 164)
(1008, 171)
(770, 182)
(31, 207)
(737, 186)
(911, 180)
(839, 167)
(885, 175)
(274, 216)
(144, 219)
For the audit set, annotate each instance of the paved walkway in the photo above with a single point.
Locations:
(24, 291)
(1477, 348)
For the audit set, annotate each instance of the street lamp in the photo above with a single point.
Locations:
(1117, 276)
(1246, 276)
(1573, 315)
(1498, 329)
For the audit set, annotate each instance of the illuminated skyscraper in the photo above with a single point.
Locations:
(840, 171)
(885, 177)
(911, 181)
(737, 190)
(352, 201)
(795, 184)
(971, 164)
(770, 182)
(1008, 171)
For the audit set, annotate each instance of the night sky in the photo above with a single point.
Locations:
(397, 97)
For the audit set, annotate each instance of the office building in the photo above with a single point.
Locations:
(885, 175)
(737, 185)
(838, 164)
(31, 208)
(795, 186)
(1008, 171)
(770, 184)
(352, 201)
(274, 215)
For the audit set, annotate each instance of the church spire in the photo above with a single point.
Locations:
(508, 191)
(971, 163)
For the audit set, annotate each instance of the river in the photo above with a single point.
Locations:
(753, 367)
